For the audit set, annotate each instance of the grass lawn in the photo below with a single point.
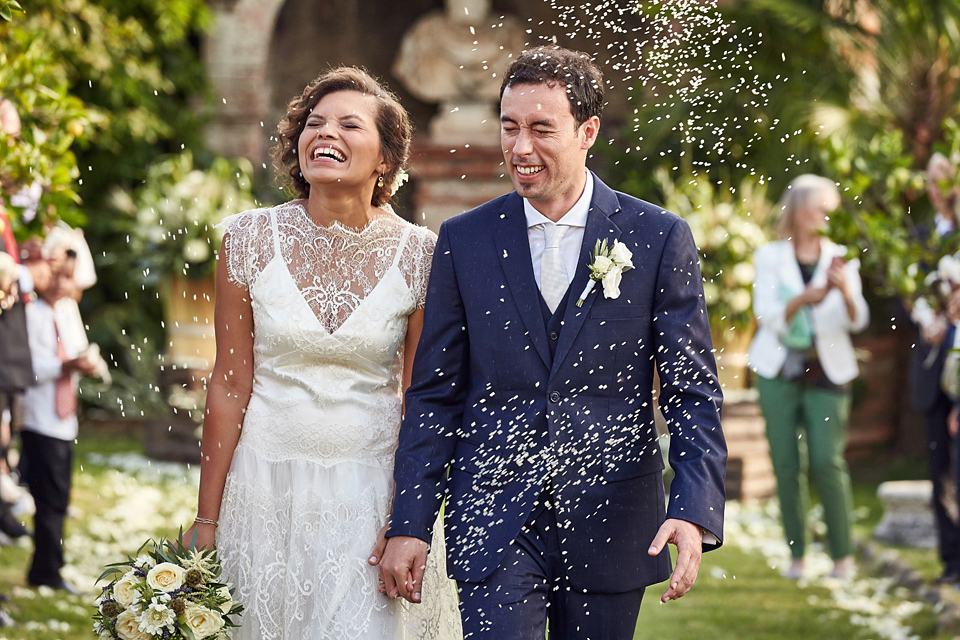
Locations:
(738, 596)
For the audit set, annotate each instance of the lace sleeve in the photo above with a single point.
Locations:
(426, 241)
(242, 250)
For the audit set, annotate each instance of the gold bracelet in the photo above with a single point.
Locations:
(206, 521)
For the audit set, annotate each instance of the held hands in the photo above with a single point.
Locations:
(688, 538)
(401, 566)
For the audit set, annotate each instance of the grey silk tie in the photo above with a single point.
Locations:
(553, 275)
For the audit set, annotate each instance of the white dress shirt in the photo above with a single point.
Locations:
(575, 218)
(40, 407)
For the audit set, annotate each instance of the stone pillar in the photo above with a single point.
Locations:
(236, 54)
(448, 181)
(907, 514)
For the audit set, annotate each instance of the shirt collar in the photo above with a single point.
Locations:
(575, 217)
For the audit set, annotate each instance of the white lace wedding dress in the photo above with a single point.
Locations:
(311, 479)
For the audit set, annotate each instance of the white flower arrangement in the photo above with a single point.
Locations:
(168, 591)
(928, 309)
(398, 179)
(607, 265)
(177, 209)
(728, 225)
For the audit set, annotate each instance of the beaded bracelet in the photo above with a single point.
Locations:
(206, 521)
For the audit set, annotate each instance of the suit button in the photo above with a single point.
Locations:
(554, 396)
(554, 335)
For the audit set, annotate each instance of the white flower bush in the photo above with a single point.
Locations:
(728, 225)
(178, 208)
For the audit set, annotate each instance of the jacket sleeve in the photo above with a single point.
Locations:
(769, 305)
(434, 402)
(690, 396)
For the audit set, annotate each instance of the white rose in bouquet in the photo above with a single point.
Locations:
(166, 576)
(202, 621)
(128, 627)
(124, 591)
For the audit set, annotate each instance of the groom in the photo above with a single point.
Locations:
(531, 411)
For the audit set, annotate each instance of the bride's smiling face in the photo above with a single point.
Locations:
(340, 145)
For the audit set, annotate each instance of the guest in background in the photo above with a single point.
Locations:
(807, 300)
(50, 426)
(935, 337)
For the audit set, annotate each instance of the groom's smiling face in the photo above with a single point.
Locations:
(544, 148)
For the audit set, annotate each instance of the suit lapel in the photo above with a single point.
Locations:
(599, 227)
(513, 249)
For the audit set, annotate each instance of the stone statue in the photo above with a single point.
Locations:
(456, 57)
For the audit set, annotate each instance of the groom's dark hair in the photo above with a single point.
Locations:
(554, 65)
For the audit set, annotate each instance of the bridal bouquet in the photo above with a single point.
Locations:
(167, 592)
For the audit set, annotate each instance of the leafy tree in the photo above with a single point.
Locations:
(754, 84)
(104, 88)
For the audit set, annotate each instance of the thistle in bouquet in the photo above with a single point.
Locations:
(169, 591)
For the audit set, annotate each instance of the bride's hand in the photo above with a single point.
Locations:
(205, 533)
(377, 553)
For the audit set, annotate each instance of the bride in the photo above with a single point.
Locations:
(319, 309)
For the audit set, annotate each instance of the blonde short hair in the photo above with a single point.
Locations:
(803, 192)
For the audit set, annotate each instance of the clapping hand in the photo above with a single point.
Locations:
(836, 278)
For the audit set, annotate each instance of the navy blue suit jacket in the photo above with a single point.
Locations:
(491, 416)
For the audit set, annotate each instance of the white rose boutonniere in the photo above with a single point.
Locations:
(607, 265)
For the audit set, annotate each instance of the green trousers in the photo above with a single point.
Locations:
(801, 417)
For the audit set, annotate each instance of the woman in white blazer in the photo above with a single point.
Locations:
(807, 300)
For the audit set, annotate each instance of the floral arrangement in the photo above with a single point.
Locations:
(728, 225)
(398, 179)
(177, 211)
(167, 592)
(607, 265)
(928, 309)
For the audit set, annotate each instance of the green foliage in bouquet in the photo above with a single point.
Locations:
(728, 225)
(169, 591)
(177, 210)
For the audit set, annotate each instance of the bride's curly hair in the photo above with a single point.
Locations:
(393, 125)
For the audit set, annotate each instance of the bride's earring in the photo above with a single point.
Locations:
(380, 181)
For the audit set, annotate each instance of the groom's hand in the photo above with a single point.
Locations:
(688, 538)
(401, 567)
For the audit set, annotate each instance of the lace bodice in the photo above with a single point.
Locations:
(330, 308)
(334, 267)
